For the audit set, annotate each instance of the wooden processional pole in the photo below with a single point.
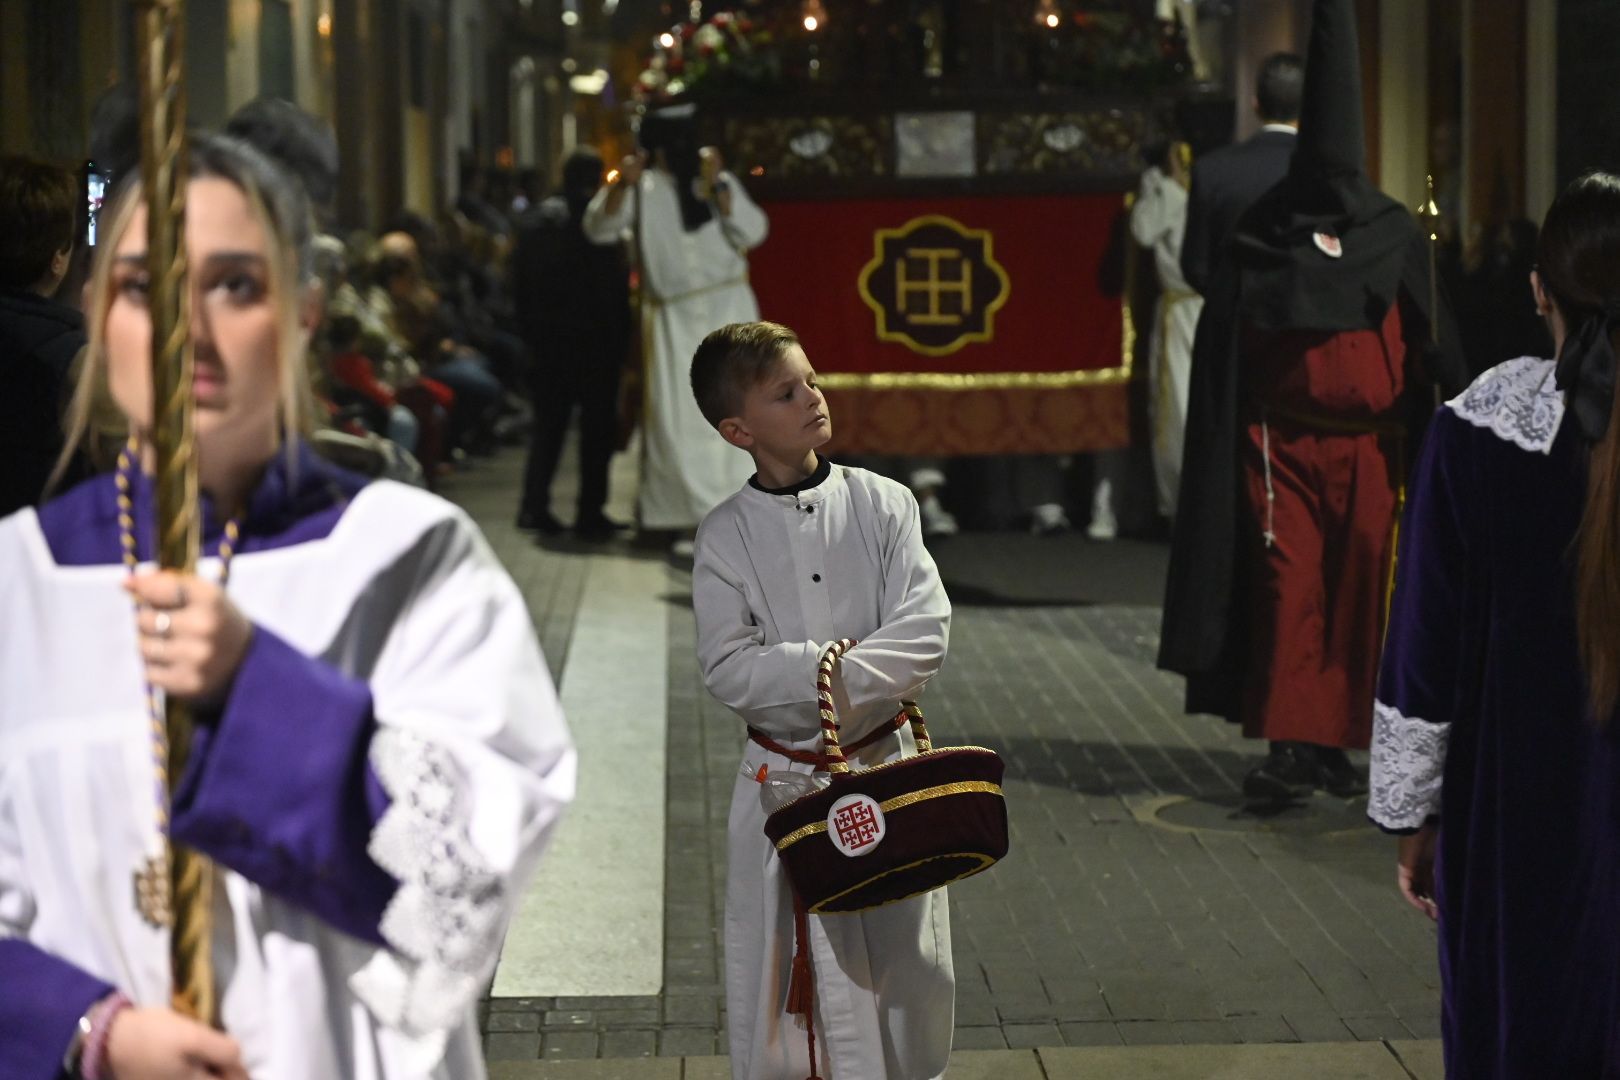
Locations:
(164, 170)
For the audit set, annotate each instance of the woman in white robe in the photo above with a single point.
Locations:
(777, 577)
(379, 755)
(694, 280)
(1158, 223)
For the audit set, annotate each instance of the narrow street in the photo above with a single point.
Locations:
(1141, 905)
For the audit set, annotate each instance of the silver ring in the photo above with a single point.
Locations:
(161, 624)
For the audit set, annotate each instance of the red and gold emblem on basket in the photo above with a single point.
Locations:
(856, 824)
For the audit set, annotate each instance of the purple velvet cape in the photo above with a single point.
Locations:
(1482, 636)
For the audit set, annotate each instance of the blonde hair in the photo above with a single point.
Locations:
(94, 423)
(732, 359)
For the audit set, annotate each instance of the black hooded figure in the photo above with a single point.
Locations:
(674, 131)
(1319, 378)
(573, 299)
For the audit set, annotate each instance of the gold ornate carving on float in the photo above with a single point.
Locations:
(792, 147)
(1103, 141)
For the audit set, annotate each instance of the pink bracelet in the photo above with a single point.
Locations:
(93, 1062)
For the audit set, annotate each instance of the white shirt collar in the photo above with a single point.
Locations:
(807, 497)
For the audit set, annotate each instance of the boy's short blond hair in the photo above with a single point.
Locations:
(731, 361)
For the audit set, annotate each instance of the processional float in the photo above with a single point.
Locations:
(180, 887)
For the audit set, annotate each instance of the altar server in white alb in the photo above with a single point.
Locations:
(809, 552)
(696, 226)
(379, 755)
(1158, 223)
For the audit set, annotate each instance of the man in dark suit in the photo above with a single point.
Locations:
(574, 300)
(1227, 181)
(39, 338)
(1199, 592)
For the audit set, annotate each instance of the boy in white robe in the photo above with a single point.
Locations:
(806, 553)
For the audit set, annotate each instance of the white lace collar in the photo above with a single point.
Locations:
(1518, 401)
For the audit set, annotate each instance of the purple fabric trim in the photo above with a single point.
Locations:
(41, 999)
(279, 788)
(290, 506)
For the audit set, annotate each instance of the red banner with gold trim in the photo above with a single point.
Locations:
(973, 325)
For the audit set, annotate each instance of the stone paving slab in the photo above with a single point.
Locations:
(994, 1065)
(1421, 1057)
(1318, 1061)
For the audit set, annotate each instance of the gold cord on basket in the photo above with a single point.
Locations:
(164, 170)
(837, 764)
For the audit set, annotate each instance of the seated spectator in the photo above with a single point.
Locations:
(413, 310)
(355, 384)
(369, 370)
(464, 264)
(39, 337)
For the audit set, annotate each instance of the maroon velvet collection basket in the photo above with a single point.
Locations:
(879, 835)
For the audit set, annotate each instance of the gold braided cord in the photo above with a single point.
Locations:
(164, 169)
(836, 765)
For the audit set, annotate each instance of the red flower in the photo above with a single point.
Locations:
(687, 30)
(676, 65)
(705, 50)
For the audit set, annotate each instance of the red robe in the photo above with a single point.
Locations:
(1324, 414)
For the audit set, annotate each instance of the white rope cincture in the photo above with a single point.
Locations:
(1271, 493)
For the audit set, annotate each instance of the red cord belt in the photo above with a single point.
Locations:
(810, 757)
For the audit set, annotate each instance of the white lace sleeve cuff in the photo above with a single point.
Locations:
(1408, 765)
(444, 924)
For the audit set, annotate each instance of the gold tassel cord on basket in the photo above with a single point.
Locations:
(164, 171)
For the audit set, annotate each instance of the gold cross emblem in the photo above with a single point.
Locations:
(934, 286)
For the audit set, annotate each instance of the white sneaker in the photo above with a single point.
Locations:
(1104, 526)
(936, 520)
(1048, 518)
(682, 548)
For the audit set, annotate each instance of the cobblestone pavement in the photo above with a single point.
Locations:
(1140, 903)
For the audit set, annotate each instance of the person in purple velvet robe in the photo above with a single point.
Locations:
(1494, 749)
(379, 756)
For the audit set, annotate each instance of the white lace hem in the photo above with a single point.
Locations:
(444, 924)
(1408, 766)
(1518, 401)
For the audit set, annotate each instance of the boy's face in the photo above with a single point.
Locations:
(783, 415)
